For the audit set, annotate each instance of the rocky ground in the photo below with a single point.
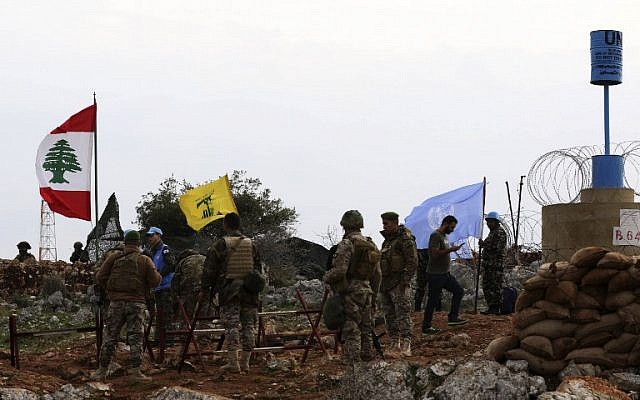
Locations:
(449, 366)
(273, 376)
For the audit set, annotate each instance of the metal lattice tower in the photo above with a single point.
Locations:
(48, 251)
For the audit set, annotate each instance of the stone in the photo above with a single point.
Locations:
(180, 393)
(485, 379)
(460, 340)
(517, 365)
(590, 388)
(429, 378)
(378, 380)
(56, 300)
(17, 394)
(626, 381)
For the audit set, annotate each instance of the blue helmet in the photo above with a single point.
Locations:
(493, 215)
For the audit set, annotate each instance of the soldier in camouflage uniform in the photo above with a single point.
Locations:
(23, 253)
(229, 262)
(493, 252)
(356, 276)
(127, 277)
(185, 284)
(398, 266)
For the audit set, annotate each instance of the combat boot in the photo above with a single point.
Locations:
(232, 364)
(405, 348)
(245, 357)
(99, 375)
(136, 376)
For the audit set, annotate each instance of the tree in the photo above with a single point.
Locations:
(161, 208)
(61, 158)
(262, 215)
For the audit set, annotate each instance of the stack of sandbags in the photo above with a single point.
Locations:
(586, 310)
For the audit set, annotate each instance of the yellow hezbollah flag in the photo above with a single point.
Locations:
(207, 203)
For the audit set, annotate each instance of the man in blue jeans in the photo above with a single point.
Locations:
(439, 276)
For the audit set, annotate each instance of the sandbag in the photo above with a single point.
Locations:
(553, 270)
(553, 310)
(574, 274)
(615, 260)
(595, 340)
(622, 344)
(590, 355)
(497, 348)
(620, 359)
(619, 299)
(526, 298)
(537, 365)
(622, 281)
(538, 282)
(588, 257)
(538, 346)
(527, 317)
(599, 293)
(608, 322)
(584, 315)
(599, 276)
(630, 316)
(551, 328)
(562, 346)
(634, 359)
(564, 293)
(635, 272)
(583, 300)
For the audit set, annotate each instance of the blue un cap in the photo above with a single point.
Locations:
(493, 215)
(153, 230)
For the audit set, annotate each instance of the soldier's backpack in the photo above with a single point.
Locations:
(365, 255)
(126, 275)
(255, 282)
(333, 313)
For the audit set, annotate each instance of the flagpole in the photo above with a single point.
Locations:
(95, 150)
(484, 196)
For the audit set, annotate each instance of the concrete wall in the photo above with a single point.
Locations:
(569, 227)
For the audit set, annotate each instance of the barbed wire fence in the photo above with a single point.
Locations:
(559, 175)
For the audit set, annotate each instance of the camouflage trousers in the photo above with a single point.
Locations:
(123, 313)
(396, 305)
(356, 331)
(164, 302)
(239, 321)
(492, 284)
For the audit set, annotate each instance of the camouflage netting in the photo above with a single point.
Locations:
(27, 278)
(586, 310)
(108, 228)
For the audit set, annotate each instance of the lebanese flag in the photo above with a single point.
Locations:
(63, 165)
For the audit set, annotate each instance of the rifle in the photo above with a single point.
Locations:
(376, 342)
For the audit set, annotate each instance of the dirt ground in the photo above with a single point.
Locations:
(316, 379)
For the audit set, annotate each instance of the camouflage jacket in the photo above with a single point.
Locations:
(399, 258)
(493, 247)
(188, 274)
(342, 258)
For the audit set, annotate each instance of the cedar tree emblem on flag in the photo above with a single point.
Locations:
(63, 165)
(60, 159)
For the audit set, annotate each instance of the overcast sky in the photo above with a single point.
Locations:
(374, 105)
